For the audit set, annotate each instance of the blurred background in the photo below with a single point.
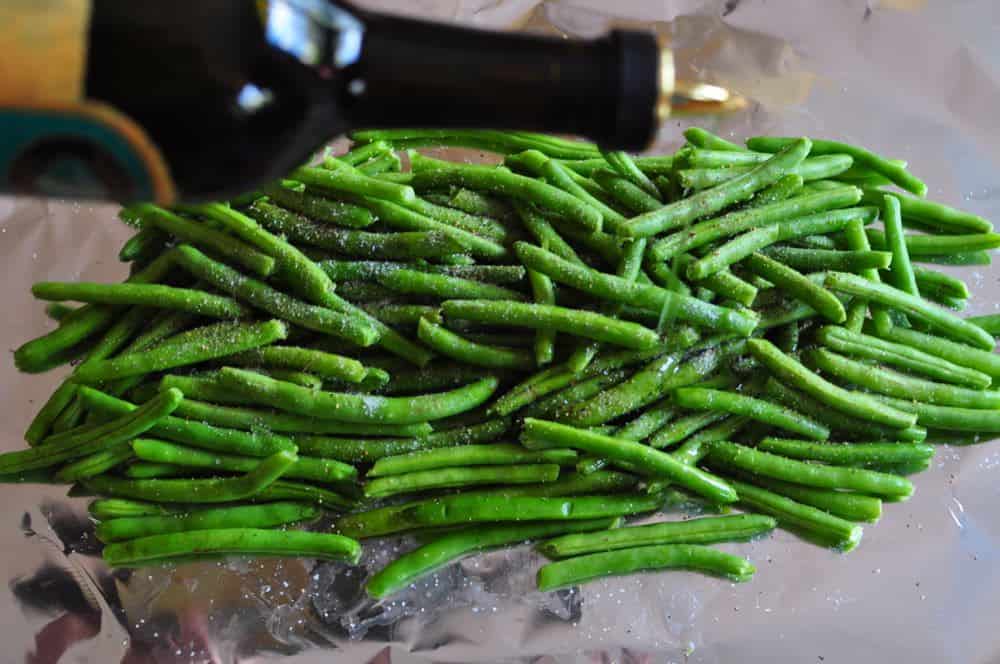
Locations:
(915, 79)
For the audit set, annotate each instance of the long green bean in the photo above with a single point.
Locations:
(696, 398)
(459, 476)
(885, 167)
(848, 454)
(857, 404)
(706, 530)
(710, 201)
(357, 408)
(198, 544)
(452, 546)
(912, 305)
(305, 468)
(197, 491)
(581, 569)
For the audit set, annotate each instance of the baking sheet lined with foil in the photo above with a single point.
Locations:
(916, 80)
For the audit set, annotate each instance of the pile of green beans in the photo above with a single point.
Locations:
(536, 351)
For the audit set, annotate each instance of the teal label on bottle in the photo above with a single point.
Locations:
(81, 152)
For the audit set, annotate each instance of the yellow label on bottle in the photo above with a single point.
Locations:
(43, 51)
(53, 140)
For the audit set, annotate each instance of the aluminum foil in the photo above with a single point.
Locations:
(915, 79)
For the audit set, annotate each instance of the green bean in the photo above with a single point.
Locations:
(561, 177)
(635, 455)
(146, 470)
(952, 351)
(837, 420)
(444, 286)
(932, 214)
(932, 280)
(926, 247)
(759, 462)
(385, 163)
(473, 202)
(787, 369)
(153, 295)
(649, 422)
(460, 476)
(430, 173)
(302, 275)
(651, 383)
(400, 314)
(241, 516)
(741, 188)
(623, 164)
(400, 217)
(989, 322)
(499, 454)
(755, 240)
(723, 283)
(560, 403)
(57, 310)
(274, 302)
(501, 142)
(356, 408)
(843, 504)
(676, 431)
(84, 441)
(386, 520)
(365, 450)
(482, 226)
(900, 355)
(697, 398)
(229, 441)
(825, 259)
(63, 343)
(577, 322)
(890, 169)
(891, 383)
(543, 293)
(94, 464)
(797, 285)
(197, 491)
(339, 270)
(617, 289)
(814, 168)
(199, 544)
(342, 177)
(325, 365)
(205, 343)
(320, 208)
(848, 454)
(541, 229)
(627, 194)
(147, 241)
(452, 546)
(253, 420)
(105, 509)
(814, 523)
(901, 271)
(62, 410)
(559, 376)
(303, 492)
(414, 244)
(911, 305)
(707, 530)
(947, 418)
(451, 345)
(499, 507)
(305, 468)
(202, 235)
(703, 138)
(692, 557)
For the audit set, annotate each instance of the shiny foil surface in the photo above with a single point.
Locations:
(915, 79)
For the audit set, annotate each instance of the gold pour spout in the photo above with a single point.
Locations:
(689, 98)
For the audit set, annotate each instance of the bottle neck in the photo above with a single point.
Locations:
(415, 73)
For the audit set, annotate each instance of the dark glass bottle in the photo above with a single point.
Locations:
(230, 94)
